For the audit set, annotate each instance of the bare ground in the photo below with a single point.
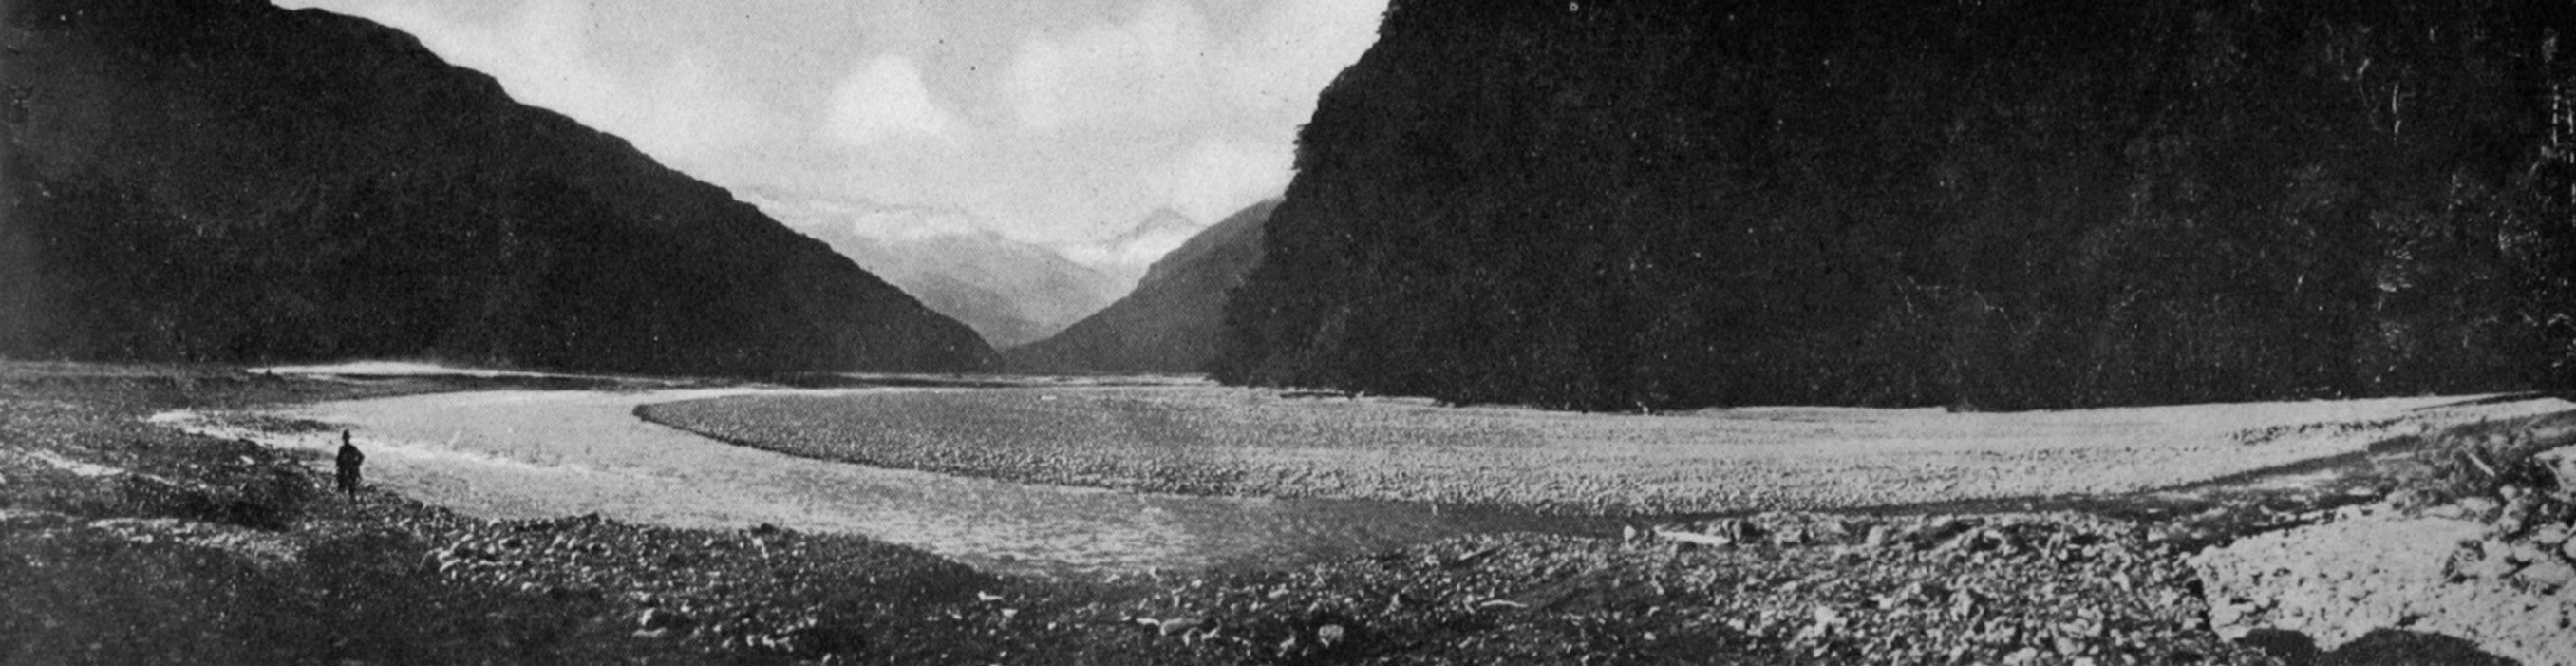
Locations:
(1228, 441)
(127, 543)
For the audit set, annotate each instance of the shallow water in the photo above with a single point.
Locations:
(532, 454)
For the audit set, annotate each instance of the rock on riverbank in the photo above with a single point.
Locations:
(2494, 566)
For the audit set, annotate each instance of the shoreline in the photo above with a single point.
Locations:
(516, 454)
(1249, 443)
(416, 580)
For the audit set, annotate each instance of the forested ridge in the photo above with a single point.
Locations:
(1980, 203)
(224, 180)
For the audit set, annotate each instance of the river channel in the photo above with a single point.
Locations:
(533, 454)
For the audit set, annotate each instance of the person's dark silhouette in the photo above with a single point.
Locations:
(350, 459)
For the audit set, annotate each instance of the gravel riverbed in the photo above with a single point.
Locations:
(128, 542)
(1228, 441)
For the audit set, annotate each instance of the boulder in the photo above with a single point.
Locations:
(661, 618)
(2561, 463)
(2478, 508)
(2484, 560)
(2548, 573)
(2410, 500)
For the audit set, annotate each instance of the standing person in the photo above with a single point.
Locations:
(350, 459)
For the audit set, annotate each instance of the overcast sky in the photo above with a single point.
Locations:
(1055, 120)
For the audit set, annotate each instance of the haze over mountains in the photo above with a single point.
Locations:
(1011, 292)
(1171, 322)
(1127, 256)
(223, 180)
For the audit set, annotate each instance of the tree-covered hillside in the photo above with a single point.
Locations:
(1987, 203)
(224, 180)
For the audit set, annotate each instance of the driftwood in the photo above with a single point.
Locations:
(2482, 465)
(1696, 538)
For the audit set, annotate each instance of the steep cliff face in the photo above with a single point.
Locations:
(1991, 204)
(1171, 322)
(225, 180)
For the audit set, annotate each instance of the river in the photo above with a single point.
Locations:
(534, 454)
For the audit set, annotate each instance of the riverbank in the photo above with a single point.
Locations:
(507, 454)
(1207, 440)
(124, 542)
(139, 544)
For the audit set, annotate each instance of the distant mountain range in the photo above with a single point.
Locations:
(1170, 322)
(1010, 292)
(1125, 257)
(224, 180)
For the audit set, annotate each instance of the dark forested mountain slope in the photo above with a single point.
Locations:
(226, 180)
(1170, 322)
(1995, 204)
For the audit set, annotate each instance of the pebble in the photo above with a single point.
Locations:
(2561, 462)
(1829, 616)
(2548, 573)
(2477, 507)
(1963, 602)
(2409, 499)
(2487, 560)
(660, 618)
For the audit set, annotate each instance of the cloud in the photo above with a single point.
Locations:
(863, 217)
(1151, 69)
(539, 51)
(691, 111)
(1125, 256)
(1165, 65)
(1049, 122)
(545, 53)
(1298, 46)
(1214, 178)
(1218, 106)
(886, 99)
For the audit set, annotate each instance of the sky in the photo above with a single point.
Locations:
(1054, 121)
